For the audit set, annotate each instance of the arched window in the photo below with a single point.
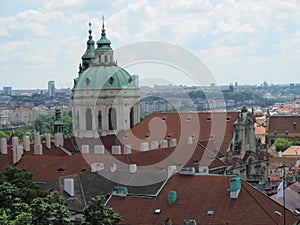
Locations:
(131, 116)
(88, 119)
(99, 120)
(112, 119)
(105, 58)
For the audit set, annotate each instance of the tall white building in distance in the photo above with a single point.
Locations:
(51, 89)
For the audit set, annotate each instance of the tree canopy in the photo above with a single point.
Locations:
(23, 204)
(281, 144)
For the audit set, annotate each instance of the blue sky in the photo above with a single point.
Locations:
(245, 41)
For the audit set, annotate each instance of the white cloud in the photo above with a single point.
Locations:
(256, 35)
(54, 4)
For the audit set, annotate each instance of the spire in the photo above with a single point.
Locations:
(103, 44)
(90, 32)
(58, 124)
(89, 55)
(103, 28)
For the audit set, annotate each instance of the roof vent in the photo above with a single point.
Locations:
(187, 171)
(120, 191)
(157, 211)
(189, 222)
(210, 212)
(235, 187)
(97, 167)
(172, 197)
(203, 170)
(277, 213)
(60, 170)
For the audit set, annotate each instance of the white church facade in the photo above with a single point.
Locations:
(105, 96)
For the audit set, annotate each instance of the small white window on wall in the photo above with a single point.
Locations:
(88, 119)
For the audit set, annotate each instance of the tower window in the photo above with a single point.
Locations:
(131, 117)
(99, 120)
(88, 119)
(77, 119)
(112, 119)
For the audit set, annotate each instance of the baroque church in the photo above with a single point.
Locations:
(105, 96)
(106, 102)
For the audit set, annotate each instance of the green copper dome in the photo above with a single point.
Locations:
(104, 77)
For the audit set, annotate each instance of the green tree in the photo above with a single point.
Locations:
(51, 209)
(96, 213)
(4, 134)
(297, 143)
(281, 144)
(68, 126)
(26, 190)
(23, 204)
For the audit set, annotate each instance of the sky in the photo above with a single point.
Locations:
(244, 41)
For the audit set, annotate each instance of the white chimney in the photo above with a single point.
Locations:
(85, 149)
(279, 154)
(127, 149)
(3, 145)
(132, 168)
(113, 167)
(190, 140)
(26, 142)
(154, 145)
(38, 149)
(48, 140)
(37, 139)
(144, 146)
(15, 142)
(99, 149)
(20, 152)
(116, 150)
(171, 170)
(59, 139)
(17, 153)
(173, 142)
(203, 170)
(69, 186)
(164, 144)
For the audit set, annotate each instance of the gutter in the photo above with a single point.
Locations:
(81, 189)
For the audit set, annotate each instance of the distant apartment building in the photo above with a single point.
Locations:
(7, 90)
(20, 115)
(51, 89)
(4, 118)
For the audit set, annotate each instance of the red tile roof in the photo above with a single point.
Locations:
(201, 125)
(196, 195)
(282, 124)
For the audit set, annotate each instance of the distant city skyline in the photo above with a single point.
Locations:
(248, 42)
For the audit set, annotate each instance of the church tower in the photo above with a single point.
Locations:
(58, 124)
(105, 96)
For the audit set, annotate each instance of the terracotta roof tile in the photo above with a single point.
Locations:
(196, 195)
